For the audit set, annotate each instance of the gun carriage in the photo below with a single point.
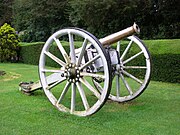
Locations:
(90, 71)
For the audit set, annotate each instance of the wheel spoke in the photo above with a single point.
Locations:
(64, 92)
(82, 51)
(72, 49)
(117, 75)
(61, 48)
(92, 75)
(52, 70)
(117, 86)
(126, 84)
(118, 47)
(90, 62)
(73, 97)
(98, 86)
(55, 83)
(126, 50)
(135, 67)
(133, 57)
(133, 77)
(60, 62)
(83, 96)
(86, 83)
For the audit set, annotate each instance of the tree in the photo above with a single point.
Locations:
(5, 11)
(170, 18)
(108, 16)
(39, 19)
(156, 18)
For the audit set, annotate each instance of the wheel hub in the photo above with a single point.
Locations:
(72, 73)
(119, 68)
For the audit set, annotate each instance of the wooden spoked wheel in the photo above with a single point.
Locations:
(66, 72)
(132, 74)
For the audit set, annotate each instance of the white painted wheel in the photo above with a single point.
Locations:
(132, 75)
(69, 85)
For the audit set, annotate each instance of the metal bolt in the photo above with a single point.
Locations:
(78, 71)
(68, 74)
(73, 81)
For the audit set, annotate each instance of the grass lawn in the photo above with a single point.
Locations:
(155, 112)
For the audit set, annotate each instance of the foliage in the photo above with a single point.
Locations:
(39, 19)
(163, 46)
(8, 43)
(156, 18)
(27, 51)
(5, 11)
(108, 16)
(35, 48)
(166, 68)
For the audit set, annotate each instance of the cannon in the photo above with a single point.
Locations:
(78, 72)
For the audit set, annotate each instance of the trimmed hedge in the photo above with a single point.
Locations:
(30, 53)
(166, 67)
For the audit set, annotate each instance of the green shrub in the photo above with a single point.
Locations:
(166, 68)
(30, 54)
(9, 43)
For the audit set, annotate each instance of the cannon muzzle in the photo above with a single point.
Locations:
(113, 38)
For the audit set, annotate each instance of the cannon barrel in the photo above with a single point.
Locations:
(113, 38)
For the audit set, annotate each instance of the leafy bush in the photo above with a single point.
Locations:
(166, 67)
(9, 43)
(30, 54)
